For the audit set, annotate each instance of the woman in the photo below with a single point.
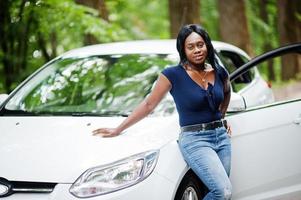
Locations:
(201, 92)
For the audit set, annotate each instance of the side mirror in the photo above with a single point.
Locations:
(237, 103)
(3, 97)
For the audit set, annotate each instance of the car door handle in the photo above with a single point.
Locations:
(297, 121)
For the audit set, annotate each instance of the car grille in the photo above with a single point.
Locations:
(40, 187)
(10, 187)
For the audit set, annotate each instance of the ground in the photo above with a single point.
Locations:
(290, 91)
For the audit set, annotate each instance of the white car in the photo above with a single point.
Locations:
(48, 152)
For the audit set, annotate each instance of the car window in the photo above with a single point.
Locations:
(281, 92)
(232, 61)
(103, 85)
(285, 65)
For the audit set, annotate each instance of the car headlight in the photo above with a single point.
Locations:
(115, 176)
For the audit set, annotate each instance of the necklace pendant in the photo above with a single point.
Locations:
(203, 80)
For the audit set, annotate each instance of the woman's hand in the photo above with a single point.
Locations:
(106, 132)
(229, 131)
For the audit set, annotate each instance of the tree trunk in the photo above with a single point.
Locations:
(289, 30)
(233, 25)
(102, 11)
(267, 45)
(7, 73)
(14, 42)
(42, 44)
(53, 42)
(98, 5)
(23, 43)
(298, 29)
(181, 13)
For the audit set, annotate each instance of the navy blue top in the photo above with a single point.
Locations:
(195, 105)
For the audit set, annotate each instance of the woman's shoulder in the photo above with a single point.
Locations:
(172, 69)
(172, 72)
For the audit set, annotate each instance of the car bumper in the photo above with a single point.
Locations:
(152, 188)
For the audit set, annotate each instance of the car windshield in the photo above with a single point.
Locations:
(95, 85)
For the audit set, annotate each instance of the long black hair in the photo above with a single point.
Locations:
(185, 31)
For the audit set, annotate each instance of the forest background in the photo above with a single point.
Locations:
(32, 32)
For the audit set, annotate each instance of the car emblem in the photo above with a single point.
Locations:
(5, 188)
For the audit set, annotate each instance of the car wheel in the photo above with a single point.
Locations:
(191, 188)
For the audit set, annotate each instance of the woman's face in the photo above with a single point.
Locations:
(195, 49)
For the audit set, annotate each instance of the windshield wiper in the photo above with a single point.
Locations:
(18, 113)
(49, 113)
(106, 113)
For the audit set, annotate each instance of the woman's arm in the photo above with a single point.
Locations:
(224, 105)
(142, 110)
(227, 95)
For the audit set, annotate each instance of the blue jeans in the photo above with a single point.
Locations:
(208, 154)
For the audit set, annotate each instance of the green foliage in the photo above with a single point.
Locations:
(144, 19)
(54, 26)
(71, 22)
(209, 18)
(264, 35)
(261, 31)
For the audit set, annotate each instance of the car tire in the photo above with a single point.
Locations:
(191, 188)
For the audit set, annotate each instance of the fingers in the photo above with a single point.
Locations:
(105, 135)
(99, 131)
(104, 132)
(229, 131)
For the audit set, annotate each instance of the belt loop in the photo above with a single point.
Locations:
(224, 123)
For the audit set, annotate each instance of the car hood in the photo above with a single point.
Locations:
(60, 149)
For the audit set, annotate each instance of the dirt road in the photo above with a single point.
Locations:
(290, 91)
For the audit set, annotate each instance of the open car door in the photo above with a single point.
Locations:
(266, 141)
